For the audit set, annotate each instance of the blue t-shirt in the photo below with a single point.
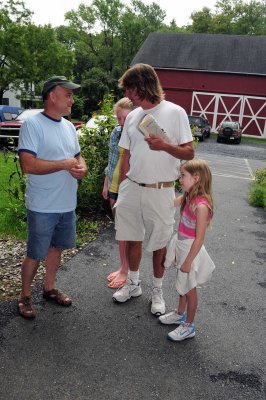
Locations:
(50, 140)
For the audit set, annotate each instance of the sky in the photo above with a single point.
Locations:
(52, 11)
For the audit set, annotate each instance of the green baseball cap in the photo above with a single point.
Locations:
(58, 81)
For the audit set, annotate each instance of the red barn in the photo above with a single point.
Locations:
(220, 77)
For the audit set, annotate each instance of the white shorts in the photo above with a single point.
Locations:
(202, 266)
(144, 213)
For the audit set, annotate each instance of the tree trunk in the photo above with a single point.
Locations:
(1, 96)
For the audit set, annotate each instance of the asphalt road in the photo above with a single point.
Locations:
(99, 350)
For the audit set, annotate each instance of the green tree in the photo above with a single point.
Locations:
(174, 28)
(101, 46)
(94, 86)
(105, 37)
(202, 21)
(29, 53)
(231, 17)
(135, 25)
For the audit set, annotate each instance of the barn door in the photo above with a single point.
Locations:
(250, 111)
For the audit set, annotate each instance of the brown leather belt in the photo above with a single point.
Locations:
(158, 185)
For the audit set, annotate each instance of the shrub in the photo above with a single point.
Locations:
(15, 186)
(257, 193)
(94, 149)
(12, 188)
(260, 176)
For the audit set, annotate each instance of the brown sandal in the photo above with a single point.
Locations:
(57, 296)
(25, 307)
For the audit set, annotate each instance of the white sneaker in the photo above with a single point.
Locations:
(172, 318)
(184, 331)
(157, 302)
(127, 291)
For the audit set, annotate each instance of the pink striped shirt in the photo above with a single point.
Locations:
(187, 224)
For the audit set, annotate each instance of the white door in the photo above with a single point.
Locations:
(250, 111)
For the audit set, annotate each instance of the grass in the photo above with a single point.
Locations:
(253, 140)
(12, 212)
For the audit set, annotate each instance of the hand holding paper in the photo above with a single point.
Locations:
(149, 126)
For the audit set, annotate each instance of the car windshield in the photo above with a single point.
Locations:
(8, 116)
(230, 124)
(27, 113)
(194, 120)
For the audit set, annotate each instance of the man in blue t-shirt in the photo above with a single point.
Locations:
(49, 154)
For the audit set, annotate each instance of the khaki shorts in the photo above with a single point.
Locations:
(144, 213)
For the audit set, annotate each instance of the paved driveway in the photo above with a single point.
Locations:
(229, 167)
(100, 350)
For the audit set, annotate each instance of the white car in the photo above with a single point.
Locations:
(91, 124)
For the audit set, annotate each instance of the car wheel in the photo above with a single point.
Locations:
(208, 134)
(201, 138)
(237, 141)
(219, 140)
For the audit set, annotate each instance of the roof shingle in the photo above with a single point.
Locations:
(204, 52)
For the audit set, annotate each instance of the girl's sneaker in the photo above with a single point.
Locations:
(172, 318)
(184, 331)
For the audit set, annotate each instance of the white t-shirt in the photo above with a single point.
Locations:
(52, 140)
(150, 166)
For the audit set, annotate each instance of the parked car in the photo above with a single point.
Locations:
(230, 131)
(8, 113)
(92, 123)
(202, 127)
(10, 129)
(77, 124)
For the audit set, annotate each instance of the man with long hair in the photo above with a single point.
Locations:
(144, 208)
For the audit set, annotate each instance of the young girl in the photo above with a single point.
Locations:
(111, 183)
(194, 265)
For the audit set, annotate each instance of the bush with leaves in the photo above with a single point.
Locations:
(257, 193)
(94, 143)
(17, 180)
(12, 188)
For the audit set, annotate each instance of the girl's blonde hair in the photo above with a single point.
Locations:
(124, 104)
(203, 187)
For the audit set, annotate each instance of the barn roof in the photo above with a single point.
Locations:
(204, 52)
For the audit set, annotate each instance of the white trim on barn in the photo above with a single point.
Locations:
(219, 106)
